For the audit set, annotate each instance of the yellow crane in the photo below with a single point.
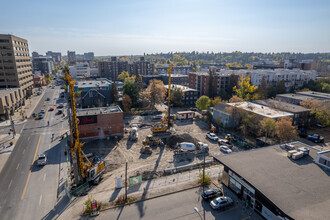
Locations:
(165, 124)
(83, 171)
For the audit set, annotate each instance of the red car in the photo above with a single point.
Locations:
(51, 109)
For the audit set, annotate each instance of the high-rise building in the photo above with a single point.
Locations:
(141, 67)
(57, 56)
(15, 63)
(89, 56)
(42, 64)
(71, 57)
(111, 69)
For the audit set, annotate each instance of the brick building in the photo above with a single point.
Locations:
(99, 123)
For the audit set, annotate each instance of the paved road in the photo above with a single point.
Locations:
(26, 190)
(179, 206)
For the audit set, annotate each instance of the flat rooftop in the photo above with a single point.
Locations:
(261, 110)
(93, 83)
(295, 96)
(325, 153)
(300, 188)
(98, 111)
(183, 88)
(4, 92)
(319, 95)
(284, 106)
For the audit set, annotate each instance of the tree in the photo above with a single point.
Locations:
(203, 102)
(235, 98)
(155, 92)
(65, 88)
(176, 96)
(262, 90)
(127, 103)
(77, 93)
(48, 78)
(223, 94)
(131, 89)
(66, 69)
(114, 93)
(245, 89)
(284, 129)
(123, 75)
(267, 127)
(281, 87)
(249, 66)
(319, 110)
(215, 101)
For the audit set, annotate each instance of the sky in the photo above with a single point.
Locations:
(135, 27)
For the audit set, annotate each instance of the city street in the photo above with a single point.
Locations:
(180, 206)
(28, 191)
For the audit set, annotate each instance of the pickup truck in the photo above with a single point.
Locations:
(316, 138)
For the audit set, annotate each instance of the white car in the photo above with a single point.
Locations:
(212, 136)
(225, 149)
(42, 160)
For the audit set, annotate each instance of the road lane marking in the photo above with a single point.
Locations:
(46, 113)
(246, 218)
(23, 151)
(44, 177)
(28, 138)
(27, 181)
(40, 200)
(17, 166)
(11, 181)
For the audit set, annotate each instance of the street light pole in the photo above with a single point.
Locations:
(196, 210)
(204, 170)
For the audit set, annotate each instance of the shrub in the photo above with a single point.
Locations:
(121, 200)
(207, 178)
(88, 205)
(11, 143)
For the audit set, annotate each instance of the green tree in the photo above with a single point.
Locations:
(132, 90)
(245, 90)
(66, 69)
(176, 97)
(123, 75)
(127, 103)
(65, 88)
(267, 127)
(114, 93)
(203, 102)
(281, 87)
(262, 90)
(215, 101)
(223, 94)
(48, 78)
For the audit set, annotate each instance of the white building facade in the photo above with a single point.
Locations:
(81, 70)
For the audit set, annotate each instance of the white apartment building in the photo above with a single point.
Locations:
(81, 70)
(293, 79)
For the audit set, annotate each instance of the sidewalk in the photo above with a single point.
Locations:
(5, 152)
(146, 190)
(28, 109)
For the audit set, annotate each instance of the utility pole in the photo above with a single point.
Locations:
(126, 182)
(204, 170)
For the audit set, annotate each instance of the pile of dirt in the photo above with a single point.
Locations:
(173, 140)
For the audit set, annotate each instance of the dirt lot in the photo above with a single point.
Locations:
(116, 154)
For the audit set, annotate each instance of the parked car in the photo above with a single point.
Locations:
(60, 105)
(48, 99)
(51, 109)
(156, 117)
(42, 111)
(59, 112)
(156, 112)
(42, 160)
(212, 136)
(144, 113)
(221, 202)
(40, 116)
(316, 138)
(321, 126)
(34, 114)
(211, 194)
(225, 149)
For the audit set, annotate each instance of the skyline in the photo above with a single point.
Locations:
(110, 28)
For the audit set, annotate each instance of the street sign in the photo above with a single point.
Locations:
(135, 180)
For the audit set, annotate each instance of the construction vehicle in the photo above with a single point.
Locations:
(152, 141)
(145, 149)
(164, 126)
(225, 141)
(83, 169)
(133, 134)
(187, 149)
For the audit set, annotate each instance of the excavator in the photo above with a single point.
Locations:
(84, 170)
(164, 126)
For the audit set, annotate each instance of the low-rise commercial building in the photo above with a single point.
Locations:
(301, 115)
(10, 100)
(183, 70)
(39, 80)
(80, 70)
(278, 187)
(42, 65)
(94, 92)
(222, 114)
(100, 123)
(293, 98)
(190, 96)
